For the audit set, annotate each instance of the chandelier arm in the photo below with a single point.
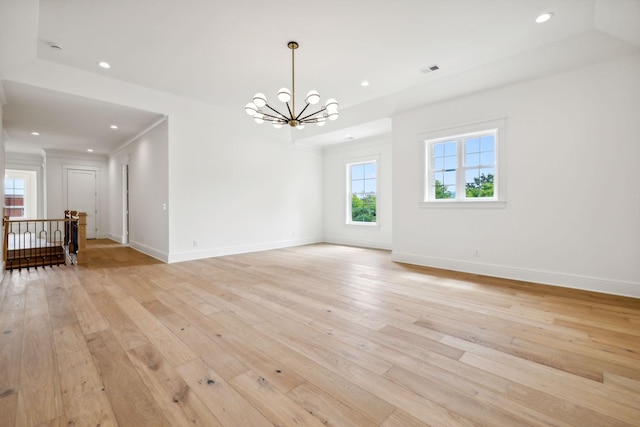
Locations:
(290, 113)
(272, 118)
(312, 114)
(277, 112)
(300, 113)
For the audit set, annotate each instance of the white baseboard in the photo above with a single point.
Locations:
(152, 252)
(596, 284)
(242, 249)
(357, 242)
(115, 238)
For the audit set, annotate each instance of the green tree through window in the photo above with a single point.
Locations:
(480, 187)
(362, 192)
(442, 192)
(363, 210)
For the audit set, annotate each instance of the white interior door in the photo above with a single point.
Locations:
(81, 196)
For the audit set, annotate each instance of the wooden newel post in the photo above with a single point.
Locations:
(6, 237)
(82, 238)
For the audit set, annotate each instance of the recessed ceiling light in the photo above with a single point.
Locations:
(349, 136)
(544, 17)
(35, 133)
(364, 83)
(90, 150)
(104, 64)
(114, 126)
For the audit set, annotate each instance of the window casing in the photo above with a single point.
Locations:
(20, 194)
(463, 168)
(362, 190)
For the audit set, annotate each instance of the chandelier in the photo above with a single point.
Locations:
(256, 108)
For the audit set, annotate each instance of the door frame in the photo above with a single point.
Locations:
(126, 204)
(65, 183)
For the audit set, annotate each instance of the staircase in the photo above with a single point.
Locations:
(44, 242)
(35, 257)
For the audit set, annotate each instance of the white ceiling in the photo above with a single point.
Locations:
(68, 122)
(223, 52)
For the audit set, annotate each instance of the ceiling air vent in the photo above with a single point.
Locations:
(426, 70)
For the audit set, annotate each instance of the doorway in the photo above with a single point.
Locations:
(82, 196)
(125, 204)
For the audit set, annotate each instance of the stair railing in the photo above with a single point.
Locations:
(44, 242)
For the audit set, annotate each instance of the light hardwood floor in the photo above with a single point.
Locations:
(308, 336)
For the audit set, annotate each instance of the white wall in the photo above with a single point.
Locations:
(336, 157)
(147, 159)
(239, 187)
(572, 216)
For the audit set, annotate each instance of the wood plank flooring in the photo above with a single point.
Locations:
(318, 335)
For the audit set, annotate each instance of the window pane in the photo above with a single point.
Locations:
(487, 158)
(472, 145)
(438, 150)
(357, 172)
(487, 171)
(472, 159)
(370, 186)
(450, 148)
(479, 182)
(369, 170)
(450, 163)
(449, 178)
(363, 209)
(470, 175)
(487, 143)
(438, 163)
(357, 187)
(442, 191)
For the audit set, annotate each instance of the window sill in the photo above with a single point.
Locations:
(465, 204)
(363, 224)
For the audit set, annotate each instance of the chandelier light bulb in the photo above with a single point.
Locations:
(331, 105)
(284, 95)
(260, 99)
(313, 97)
(259, 117)
(321, 121)
(277, 125)
(333, 115)
(300, 126)
(251, 109)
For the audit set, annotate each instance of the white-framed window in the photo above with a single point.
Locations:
(20, 194)
(362, 191)
(464, 167)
